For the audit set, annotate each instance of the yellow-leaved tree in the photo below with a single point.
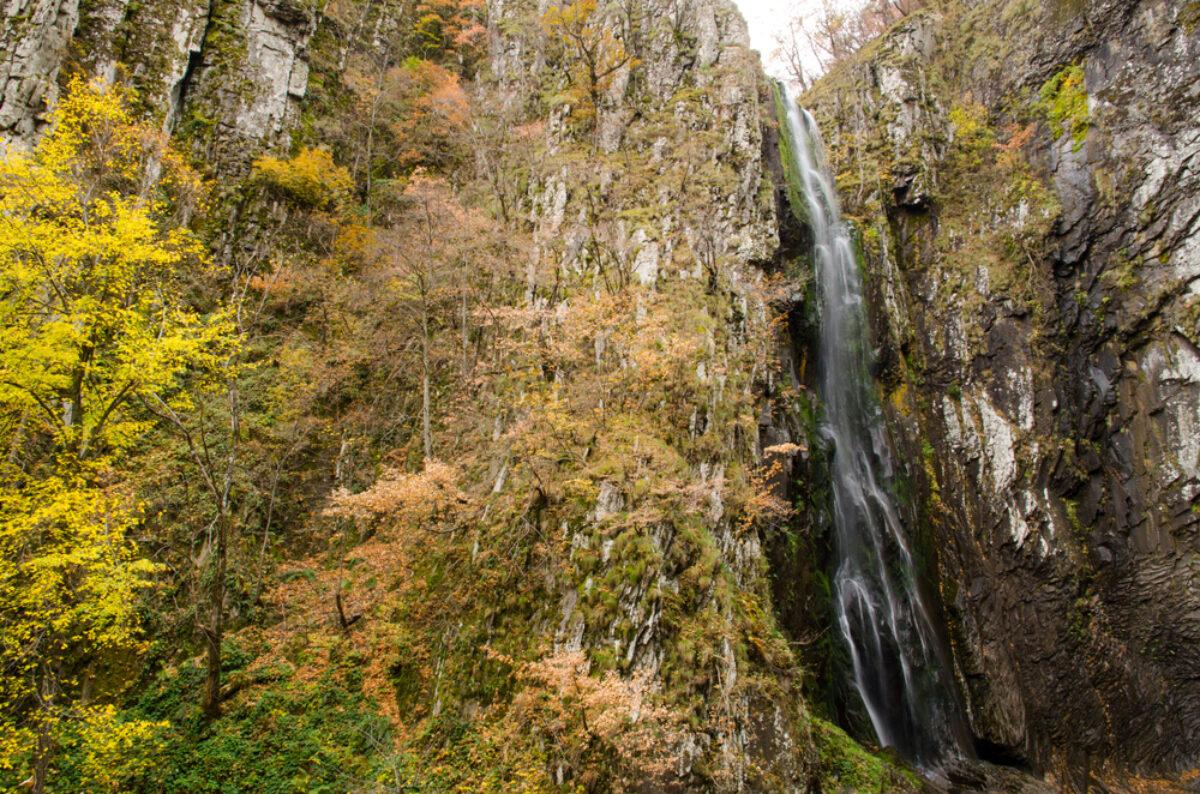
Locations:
(95, 258)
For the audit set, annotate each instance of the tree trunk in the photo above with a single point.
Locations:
(44, 748)
(215, 631)
(426, 422)
(41, 757)
(73, 413)
(466, 335)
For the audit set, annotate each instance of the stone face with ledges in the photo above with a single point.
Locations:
(1061, 369)
(32, 45)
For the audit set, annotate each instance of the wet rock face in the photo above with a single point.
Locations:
(1040, 354)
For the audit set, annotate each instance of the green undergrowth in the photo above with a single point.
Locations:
(277, 734)
(1063, 100)
(281, 733)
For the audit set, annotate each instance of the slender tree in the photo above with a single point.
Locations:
(93, 263)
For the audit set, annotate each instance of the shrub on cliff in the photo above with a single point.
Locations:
(311, 178)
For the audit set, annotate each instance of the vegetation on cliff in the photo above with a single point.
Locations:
(421, 453)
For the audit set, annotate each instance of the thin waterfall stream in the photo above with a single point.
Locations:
(900, 667)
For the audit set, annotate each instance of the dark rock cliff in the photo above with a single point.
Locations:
(1027, 183)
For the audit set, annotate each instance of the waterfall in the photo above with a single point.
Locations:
(900, 667)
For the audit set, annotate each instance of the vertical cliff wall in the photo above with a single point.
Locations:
(1025, 180)
(666, 189)
(234, 72)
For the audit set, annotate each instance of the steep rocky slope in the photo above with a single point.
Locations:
(612, 507)
(663, 195)
(1026, 185)
(239, 68)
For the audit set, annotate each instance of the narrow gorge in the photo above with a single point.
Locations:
(450, 395)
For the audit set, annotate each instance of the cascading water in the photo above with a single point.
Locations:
(899, 663)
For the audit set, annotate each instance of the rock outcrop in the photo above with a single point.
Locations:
(1027, 186)
(668, 189)
(236, 71)
(32, 48)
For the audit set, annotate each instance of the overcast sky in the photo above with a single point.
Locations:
(765, 17)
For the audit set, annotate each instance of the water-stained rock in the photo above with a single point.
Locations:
(1038, 322)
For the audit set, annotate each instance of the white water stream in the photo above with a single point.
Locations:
(900, 667)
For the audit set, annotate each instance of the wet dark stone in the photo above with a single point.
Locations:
(1071, 579)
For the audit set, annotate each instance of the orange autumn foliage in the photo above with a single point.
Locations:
(431, 130)
(594, 54)
(411, 499)
(1018, 137)
(583, 716)
(450, 24)
(407, 115)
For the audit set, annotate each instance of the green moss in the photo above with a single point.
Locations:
(1063, 100)
(846, 766)
(1189, 17)
(1122, 273)
(1072, 508)
(1062, 10)
(792, 180)
(1079, 618)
